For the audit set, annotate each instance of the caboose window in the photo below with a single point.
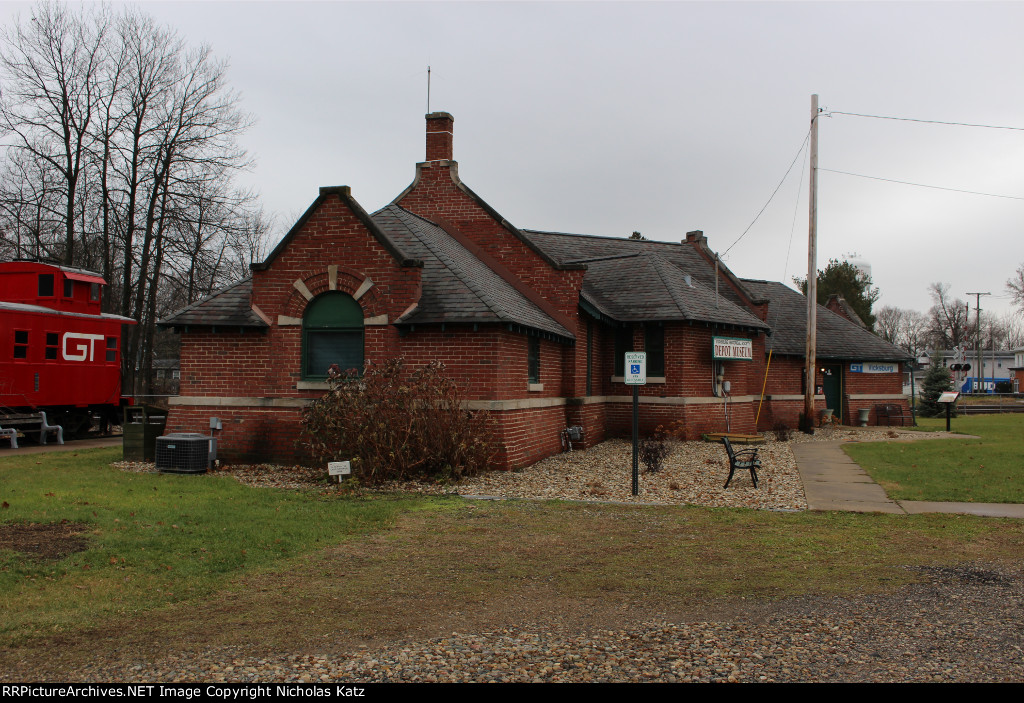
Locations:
(69, 288)
(46, 285)
(111, 348)
(20, 344)
(94, 291)
(51, 345)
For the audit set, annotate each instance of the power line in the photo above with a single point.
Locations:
(911, 119)
(923, 185)
(772, 196)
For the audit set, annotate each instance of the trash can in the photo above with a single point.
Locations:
(142, 425)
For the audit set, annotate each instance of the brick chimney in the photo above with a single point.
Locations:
(440, 126)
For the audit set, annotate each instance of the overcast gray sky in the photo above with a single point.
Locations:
(609, 117)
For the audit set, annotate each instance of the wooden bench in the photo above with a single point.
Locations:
(890, 412)
(744, 459)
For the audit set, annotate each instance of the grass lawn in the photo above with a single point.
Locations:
(985, 470)
(119, 543)
(168, 562)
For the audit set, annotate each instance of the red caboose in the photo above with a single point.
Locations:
(58, 352)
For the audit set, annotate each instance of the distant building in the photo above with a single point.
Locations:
(997, 367)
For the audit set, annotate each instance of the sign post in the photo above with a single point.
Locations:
(948, 398)
(339, 469)
(636, 376)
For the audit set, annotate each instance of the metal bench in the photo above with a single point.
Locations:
(11, 434)
(45, 428)
(744, 459)
(14, 424)
(890, 412)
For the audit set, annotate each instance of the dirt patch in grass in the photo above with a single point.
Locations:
(45, 541)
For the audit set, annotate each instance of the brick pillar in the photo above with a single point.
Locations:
(440, 126)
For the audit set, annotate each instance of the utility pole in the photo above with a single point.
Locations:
(977, 324)
(812, 277)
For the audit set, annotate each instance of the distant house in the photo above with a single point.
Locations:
(1017, 370)
(166, 376)
(533, 325)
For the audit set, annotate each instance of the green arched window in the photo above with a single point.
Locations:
(332, 333)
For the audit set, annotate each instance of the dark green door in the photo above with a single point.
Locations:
(832, 375)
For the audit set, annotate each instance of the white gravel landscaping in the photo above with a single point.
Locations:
(694, 473)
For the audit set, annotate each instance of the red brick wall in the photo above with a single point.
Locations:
(785, 377)
(874, 384)
(250, 435)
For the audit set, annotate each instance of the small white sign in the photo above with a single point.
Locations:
(874, 367)
(339, 468)
(636, 369)
(729, 348)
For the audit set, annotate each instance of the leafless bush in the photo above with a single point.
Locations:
(396, 425)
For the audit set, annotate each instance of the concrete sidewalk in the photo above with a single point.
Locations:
(834, 481)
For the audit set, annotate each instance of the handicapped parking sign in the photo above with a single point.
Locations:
(636, 369)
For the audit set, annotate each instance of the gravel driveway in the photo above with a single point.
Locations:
(962, 624)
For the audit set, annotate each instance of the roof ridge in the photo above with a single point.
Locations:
(658, 263)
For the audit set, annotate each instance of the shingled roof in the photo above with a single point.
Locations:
(648, 286)
(457, 286)
(837, 337)
(632, 280)
(230, 306)
(586, 248)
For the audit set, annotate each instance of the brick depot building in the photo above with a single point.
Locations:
(533, 326)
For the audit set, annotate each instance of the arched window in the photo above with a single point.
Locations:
(332, 333)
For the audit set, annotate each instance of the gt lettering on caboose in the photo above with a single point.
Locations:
(84, 351)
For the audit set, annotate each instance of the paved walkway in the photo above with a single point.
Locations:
(834, 481)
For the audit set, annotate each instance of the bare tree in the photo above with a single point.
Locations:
(915, 334)
(1013, 329)
(52, 69)
(1015, 287)
(949, 321)
(121, 146)
(907, 329)
(889, 323)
